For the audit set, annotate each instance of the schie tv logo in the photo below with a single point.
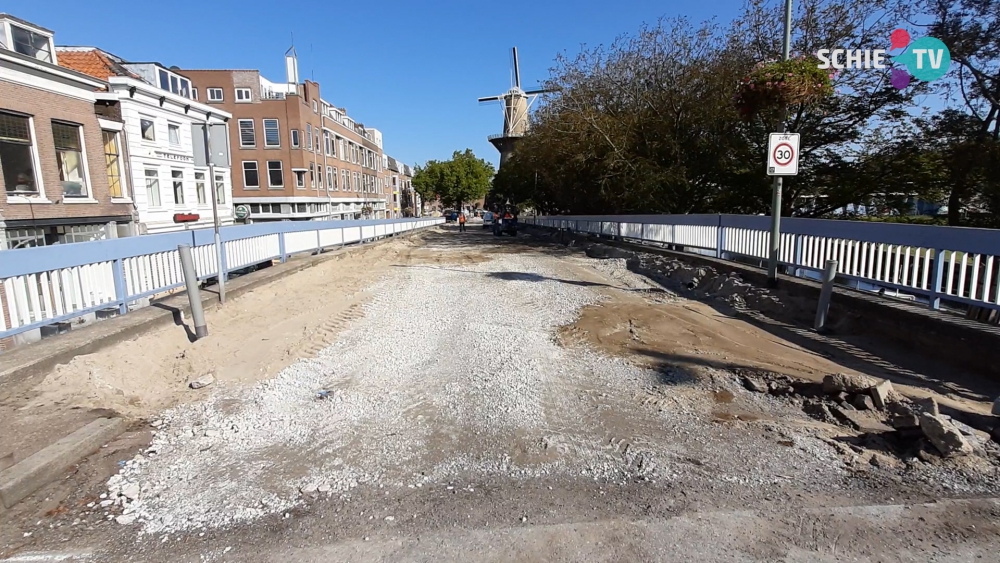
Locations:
(925, 59)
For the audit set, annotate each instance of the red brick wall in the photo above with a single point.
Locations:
(44, 107)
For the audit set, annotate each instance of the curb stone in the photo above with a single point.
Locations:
(45, 466)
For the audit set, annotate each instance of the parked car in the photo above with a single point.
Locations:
(450, 215)
(487, 219)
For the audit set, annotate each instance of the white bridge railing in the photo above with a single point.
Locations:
(935, 264)
(45, 285)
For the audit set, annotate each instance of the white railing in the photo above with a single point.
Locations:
(44, 285)
(951, 264)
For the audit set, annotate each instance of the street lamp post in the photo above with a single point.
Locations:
(772, 265)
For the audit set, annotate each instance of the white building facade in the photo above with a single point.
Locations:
(166, 149)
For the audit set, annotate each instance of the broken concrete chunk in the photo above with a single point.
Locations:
(944, 436)
(903, 421)
(203, 381)
(846, 382)
(928, 405)
(863, 402)
(755, 385)
(819, 411)
(131, 492)
(881, 394)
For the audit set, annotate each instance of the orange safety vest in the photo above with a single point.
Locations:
(461, 218)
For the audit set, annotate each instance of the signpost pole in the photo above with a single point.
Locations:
(772, 264)
(215, 208)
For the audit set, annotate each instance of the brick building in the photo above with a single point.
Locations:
(63, 177)
(295, 156)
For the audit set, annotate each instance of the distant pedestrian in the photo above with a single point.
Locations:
(461, 222)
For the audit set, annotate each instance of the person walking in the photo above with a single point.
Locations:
(461, 222)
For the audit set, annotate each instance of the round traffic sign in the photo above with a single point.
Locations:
(242, 212)
(783, 154)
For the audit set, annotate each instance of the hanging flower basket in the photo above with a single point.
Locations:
(774, 85)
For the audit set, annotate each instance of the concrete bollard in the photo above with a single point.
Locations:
(194, 294)
(824, 296)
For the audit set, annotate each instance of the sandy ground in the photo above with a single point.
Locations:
(610, 426)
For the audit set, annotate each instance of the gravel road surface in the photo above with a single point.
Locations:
(447, 414)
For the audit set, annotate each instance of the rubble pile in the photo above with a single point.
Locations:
(701, 279)
(909, 428)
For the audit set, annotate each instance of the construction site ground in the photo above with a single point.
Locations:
(465, 397)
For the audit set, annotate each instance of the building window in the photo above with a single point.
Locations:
(178, 178)
(148, 129)
(251, 178)
(272, 137)
(330, 175)
(199, 187)
(344, 184)
(174, 134)
(220, 189)
(301, 207)
(247, 137)
(153, 188)
(309, 136)
(69, 158)
(194, 94)
(27, 42)
(318, 148)
(315, 107)
(215, 94)
(312, 176)
(16, 156)
(343, 153)
(295, 138)
(275, 177)
(300, 179)
(243, 95)
(112, 159)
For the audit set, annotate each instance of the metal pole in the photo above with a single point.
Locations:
(194, 296)
(215, 209)
(772, 265)
(824, 295)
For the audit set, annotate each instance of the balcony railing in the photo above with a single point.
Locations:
(268, 95)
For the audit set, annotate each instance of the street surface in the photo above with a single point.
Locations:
(463, 397)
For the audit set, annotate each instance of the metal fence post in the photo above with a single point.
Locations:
(796, 271)
(281, 247)
(120, 288)
(194, 295)
(720, 242)
(829, 274)
(935, 296)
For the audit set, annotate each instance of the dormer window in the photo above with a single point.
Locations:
(175, 84)
(30, 43)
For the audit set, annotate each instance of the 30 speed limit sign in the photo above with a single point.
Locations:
(783, 154)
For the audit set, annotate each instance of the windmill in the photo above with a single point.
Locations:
(515, 105)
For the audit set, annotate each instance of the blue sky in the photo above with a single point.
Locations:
(411, 69)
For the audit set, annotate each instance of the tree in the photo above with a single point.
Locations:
(462, 179)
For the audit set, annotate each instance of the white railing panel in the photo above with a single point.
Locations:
(300, 241)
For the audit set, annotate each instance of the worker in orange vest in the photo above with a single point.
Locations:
(461, 222)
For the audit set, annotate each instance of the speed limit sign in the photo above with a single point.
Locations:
(783, 154)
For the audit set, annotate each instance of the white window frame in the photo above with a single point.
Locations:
(215, 94)
(330, 177)
(277, 132)
(295, 138)
(151, 194)
(36, 162)
(253, 130)
(300, 179)
(173, 188)
(200, 183)
(84, 165)
(309, 135)
(220, 189)
(176, 126)
(281, 168)
(152, 127)
(244, 91)
(256, 168)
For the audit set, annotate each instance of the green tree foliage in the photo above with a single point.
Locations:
(649, 124)
(462, 179)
